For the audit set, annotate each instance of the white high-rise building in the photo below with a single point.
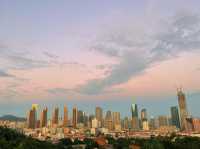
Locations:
(95, 123)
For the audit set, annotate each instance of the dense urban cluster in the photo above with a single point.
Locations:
(11, 139)
(100, 129)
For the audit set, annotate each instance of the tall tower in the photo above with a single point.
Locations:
(134, 110)
(143, 114)
(116, 120)
(163, 120)
(80, 116)
(175, 117)
(55, 116)
(182, 108)
(32, 117)
(65, 117)
(108, 120)
(135, 121)
(144, 120)
(125, 123)
(99, 115)
(75, 117)
(43, 118)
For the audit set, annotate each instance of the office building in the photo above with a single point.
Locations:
(91, 117)
(65, 117)
(175, 117)
(99, 115)
(189, 124)
(80, 117)
(43, 118)
(32, 117)
(183, 109)
(196, 124)
(135, 120)
(95, 123)
(74, 117)
(86, 120)
(145, 125)
(125, 123)
(143, 114)
(152, 123)
(144, 120)
(108, 120)
(163, 120)
(116, 121)
(55, 117)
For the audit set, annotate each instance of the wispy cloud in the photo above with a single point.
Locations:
(58, 91)
(26, 60)
(5, 74)
(20, 59)
(180, 34)
(50, 55)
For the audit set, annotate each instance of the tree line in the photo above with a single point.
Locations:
(11, 139)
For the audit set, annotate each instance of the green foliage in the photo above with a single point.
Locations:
(172, 142)
(90, 143)
(110, 139)
(122, 143)
(11, 139)
(77, 141)
(66, 141)
(187, 143)
(152, 144)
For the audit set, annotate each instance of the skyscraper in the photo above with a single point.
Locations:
(143, 114)
(65, 117)
(152, 123)
(35, 106)
(144, 120)
(125, 123)
(99, 115)
(80, 117)
(86, 120)
(183, 109)
(116, 121)
(55, 116)
(175, 117)
(145, 125)
(135, 121)
(75, 117)
(134, 110)
(43, 118)
(91, 117)
(32, 117)
(163, 120)
(95, 123)
(116, 118)
(108, 120)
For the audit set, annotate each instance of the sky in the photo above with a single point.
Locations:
(99, 53)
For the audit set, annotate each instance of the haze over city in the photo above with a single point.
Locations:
(99, 53)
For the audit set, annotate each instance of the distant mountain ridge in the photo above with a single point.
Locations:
(12, 118)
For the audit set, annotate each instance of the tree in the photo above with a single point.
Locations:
(152, 144)
(90, 143)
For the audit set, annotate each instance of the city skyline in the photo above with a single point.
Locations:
(103, 122)
(178, 113)
(179, 119)
(90, 109)
(105, 54)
